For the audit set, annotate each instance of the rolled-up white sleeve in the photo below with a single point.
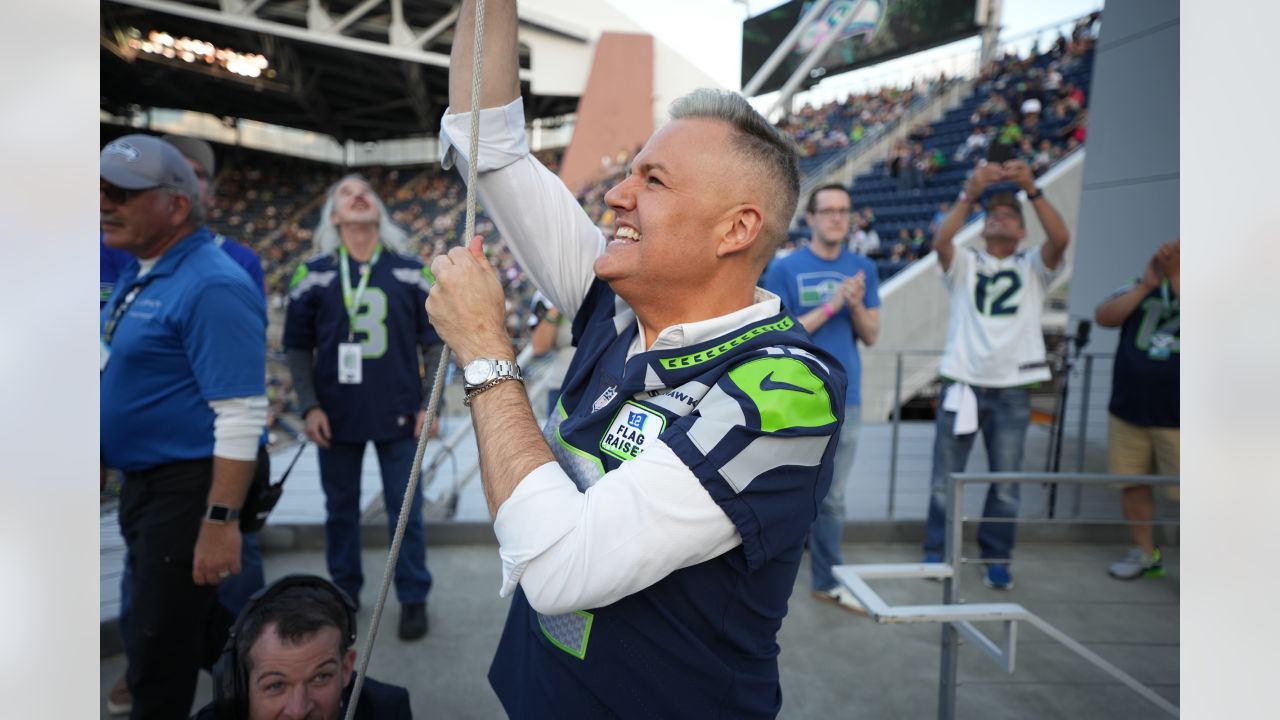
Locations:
(502, 138)
(571, 550)
(237, 426)
(551, 236)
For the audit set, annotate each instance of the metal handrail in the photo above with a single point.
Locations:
(957, 619)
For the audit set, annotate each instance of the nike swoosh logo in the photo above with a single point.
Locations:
(768, 383)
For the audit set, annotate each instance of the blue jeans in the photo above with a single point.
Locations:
(824, 534)
(1003, 417)
(340, 477)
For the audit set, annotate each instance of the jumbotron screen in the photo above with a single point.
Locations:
(881, 30)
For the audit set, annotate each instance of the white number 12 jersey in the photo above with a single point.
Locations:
(994, 338)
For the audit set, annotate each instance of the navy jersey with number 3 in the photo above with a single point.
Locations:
(390, 325)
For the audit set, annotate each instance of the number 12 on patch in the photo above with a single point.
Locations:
(632, 429)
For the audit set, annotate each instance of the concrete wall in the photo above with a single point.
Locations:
(1130, 200)
(615, 112)
(562, 61)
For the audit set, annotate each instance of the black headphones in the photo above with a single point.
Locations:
(230, 684)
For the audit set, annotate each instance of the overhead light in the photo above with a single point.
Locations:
(191, 50)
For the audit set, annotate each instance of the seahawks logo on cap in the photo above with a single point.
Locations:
(124, 150)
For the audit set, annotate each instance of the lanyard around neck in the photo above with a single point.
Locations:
(352, 299)
(109, 330)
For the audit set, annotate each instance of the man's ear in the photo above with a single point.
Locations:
(743, 226)
(348, 664)
(181, 211)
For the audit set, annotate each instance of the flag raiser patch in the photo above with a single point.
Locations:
(632, 429)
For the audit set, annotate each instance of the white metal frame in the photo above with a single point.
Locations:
(958, 619)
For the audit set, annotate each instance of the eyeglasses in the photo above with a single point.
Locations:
(834, 213)
(119, 195)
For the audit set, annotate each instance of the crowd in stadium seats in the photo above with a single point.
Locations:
(838, 124)
(825, 132)
(258, 196)
(1036, 105)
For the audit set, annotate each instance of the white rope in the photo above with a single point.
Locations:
(437, 386)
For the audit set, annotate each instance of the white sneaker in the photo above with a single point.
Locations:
(842, 598)
(1138, 564)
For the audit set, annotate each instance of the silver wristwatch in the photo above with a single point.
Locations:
(483, 373)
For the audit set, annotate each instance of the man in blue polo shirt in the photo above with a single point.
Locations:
(183, 403)
(235, 590)
(199, 155)
(835, 294)
(651, 537)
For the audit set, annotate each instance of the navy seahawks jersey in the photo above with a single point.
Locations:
(390, 325)
(753, 414)
(1144, 380)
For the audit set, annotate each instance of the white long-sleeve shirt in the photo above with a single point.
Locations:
(651, 516)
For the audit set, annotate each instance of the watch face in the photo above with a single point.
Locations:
(478, 371)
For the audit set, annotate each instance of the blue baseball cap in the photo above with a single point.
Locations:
(141, 162)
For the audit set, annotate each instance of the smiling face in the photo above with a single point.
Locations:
(296, 680)
(670, 210)
(354, 204)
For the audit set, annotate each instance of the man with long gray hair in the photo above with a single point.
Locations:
(355, 332)
(651, 538)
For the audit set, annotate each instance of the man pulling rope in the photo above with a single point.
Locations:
(651, 537)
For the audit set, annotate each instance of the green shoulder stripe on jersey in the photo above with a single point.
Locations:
(430, 276)
(298, 275)
(704, 355)
(786, 393)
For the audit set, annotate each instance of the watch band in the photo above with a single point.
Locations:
(1034, 195)
(221, 514)
(473, 392)
(501, 369)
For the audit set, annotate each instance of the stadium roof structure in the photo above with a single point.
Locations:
(361, 70)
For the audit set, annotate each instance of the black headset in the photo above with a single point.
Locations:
(230, 684)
